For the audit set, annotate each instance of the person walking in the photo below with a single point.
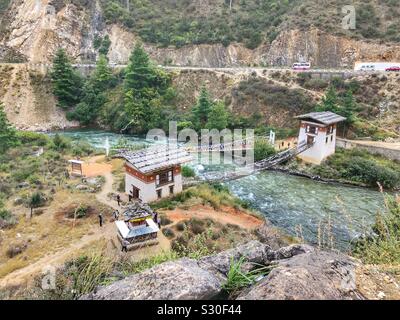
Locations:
(125, 245)
(101, 219)
(119, 200)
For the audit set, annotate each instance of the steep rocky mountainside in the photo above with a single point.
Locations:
(310, 30)
(28, 99)
(31, 31)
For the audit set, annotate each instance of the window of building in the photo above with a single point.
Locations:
(326, 140)
(171, 190)
(331, 138)
(312, 129)
(159, 193)
(164, 178)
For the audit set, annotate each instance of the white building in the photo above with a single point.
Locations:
(318, 130)
(154, 173)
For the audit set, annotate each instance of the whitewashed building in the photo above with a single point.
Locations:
(154, 173)
(318, 131)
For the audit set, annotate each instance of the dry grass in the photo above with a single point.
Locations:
(48, 233)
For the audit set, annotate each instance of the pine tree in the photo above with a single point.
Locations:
(94, 94)
(102, 76)
(349, 107)
(202, 109)
(66, 83)
(8, 137)
(139, 73)
(137, 111)
(218, 117)
(330, 102)
(145, 87)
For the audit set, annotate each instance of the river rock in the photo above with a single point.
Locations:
(23, 185)
(309, 276)
(178, 280)
(82, 187)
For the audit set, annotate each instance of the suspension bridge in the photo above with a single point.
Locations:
(258, 166)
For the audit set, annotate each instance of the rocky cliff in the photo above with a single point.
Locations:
(36, 29)
(299, 272)
(33, 30)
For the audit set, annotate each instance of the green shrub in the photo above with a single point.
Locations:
(180, 226)
(263, 150)
(360, 166)
(165, 220)
(33, 138)
(188, 172)
(168, 233)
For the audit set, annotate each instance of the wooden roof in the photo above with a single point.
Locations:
(326, 118)
(156, 158)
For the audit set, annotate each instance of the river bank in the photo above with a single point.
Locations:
(300, 205)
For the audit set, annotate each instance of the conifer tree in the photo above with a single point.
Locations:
(8, 136)
(145, 87)
(218, 117)
(66, 82)
(94, 93)
(201, 110)
(330, 102)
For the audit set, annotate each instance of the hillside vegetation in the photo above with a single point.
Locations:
(252, 22)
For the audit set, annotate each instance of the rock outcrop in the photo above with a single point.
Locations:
(37, 29)
(313, 275)
(302, 272)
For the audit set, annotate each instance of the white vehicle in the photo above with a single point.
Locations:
(301, 66)
(375, 66)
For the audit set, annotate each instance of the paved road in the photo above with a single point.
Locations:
(218, 69)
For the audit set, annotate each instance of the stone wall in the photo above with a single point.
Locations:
(392, 154)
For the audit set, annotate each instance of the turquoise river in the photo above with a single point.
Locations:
(316, 211)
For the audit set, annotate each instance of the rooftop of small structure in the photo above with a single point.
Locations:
(156, 157)
(128, 233)
(326, 117)
(76, 161)
(137, 211)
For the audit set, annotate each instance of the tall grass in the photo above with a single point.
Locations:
(88, 272)
(128, 267)
(383, 245)
(237, 279)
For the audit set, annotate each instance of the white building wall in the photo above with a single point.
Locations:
(321, 149)
(148, 191)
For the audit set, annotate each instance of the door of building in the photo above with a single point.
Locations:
(135, 192)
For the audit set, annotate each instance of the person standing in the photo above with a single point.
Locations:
(101, 219)
(119, 200)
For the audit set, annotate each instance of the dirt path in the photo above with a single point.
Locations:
(107, 232)
(223, 216)
(380, 144)
(27, 274)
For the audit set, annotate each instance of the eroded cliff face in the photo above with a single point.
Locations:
(38, 28)
(28, 99)
(325, 50)
(36, 31)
